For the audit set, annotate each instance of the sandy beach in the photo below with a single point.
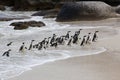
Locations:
(103, 66)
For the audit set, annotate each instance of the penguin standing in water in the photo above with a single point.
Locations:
(88, 39)
(22, 47)
(75, 38)
(31, 45)
(83, 41)
(47, 42)
(67, 35)
(9, 43)
(7, 53)
(95, 37)
(69, 42)
(78, 32)
(40, 46)
(55, 44)
(52, 39)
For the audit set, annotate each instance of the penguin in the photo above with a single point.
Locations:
(75, 38)
(31, 45)
(67, 35)
(55, 44)
(69, 42)
(47, 42)
(7, 53)
(40, 46)
(78, 32)
(88, 39)
(22, 47)
(95, 36)
(9, 43)
(83, 41)
(52, 39)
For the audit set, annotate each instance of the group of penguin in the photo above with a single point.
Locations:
(54, 41)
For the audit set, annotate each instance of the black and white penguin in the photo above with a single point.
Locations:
(7, 53)
(83, 41)
(31, 45)
(9, 43)
(40, 46)
(88, 38)
(55, 44)
(70, 41)
(22, 47)
(78, 32)
(47, 42)
(95, 37)
(53, 38)
(67, 35)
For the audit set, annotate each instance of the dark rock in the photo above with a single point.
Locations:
(25, 25)
(47, 13)
(85, 10)
(118, 9)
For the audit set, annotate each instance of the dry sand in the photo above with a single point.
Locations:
(104, 66)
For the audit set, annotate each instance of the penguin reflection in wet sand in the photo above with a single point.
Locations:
(88, 39)
(31, 45)
(95, 37)
(22, 47)
(7, 53)
(83, 41)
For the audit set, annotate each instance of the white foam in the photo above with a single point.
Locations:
(17, 63)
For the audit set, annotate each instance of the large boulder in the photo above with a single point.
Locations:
(26, 24)
(85, 10)
(47, 13)
(118, 9)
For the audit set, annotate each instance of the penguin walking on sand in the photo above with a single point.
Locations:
(88, 39)
(31, 45)
(9, 43)
(83, 41)
(95, 37)
(67, 35)
(22, 47)
(70, 41)
(7, 53)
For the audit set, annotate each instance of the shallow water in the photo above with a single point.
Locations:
(18, 62)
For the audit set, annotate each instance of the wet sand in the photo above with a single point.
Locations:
(104, 66)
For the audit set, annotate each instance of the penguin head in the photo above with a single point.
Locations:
(49, 37)
(69, 31)
(23, 43)
(9, 50)
(80, 29)
(96, 31)
(85, 36)
(33, 40)
(89, 33)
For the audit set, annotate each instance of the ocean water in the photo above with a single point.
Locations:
(18, 62)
